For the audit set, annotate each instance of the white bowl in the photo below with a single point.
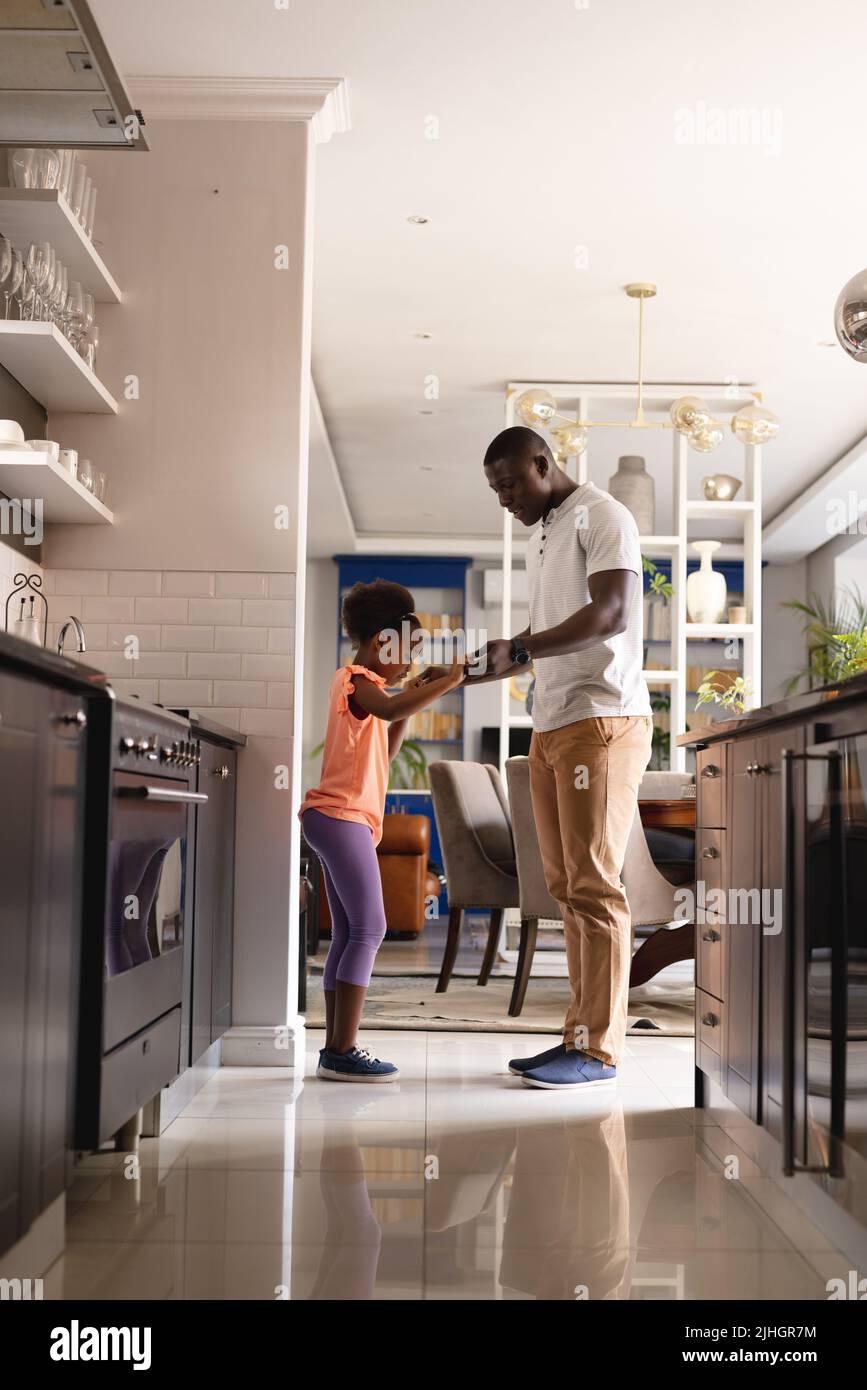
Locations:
(11, 432)
(46, 446)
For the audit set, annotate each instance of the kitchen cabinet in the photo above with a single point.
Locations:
(213, 910)
(42, 771)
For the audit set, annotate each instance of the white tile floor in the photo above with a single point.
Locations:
(457, 1182)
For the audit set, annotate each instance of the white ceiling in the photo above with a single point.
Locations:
(556, 129)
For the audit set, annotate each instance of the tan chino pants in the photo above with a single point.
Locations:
(584, 782)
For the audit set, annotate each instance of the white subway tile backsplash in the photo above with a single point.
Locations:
(240, 639)
(281, 586)
(214, 665)
(148, 635)
(225, 611)
(281, 639)
(140, 690)
(188, 639)
(186, 694)
(188, 584)
(269, 612)
(269, 723)
(247, 694)
(108, 610)
(162, 610)
(137, 583)
(81, 582)
(265, 668)
(111, 663)
(223, 715)
(279, 695)
(242, 586)
(162, 664)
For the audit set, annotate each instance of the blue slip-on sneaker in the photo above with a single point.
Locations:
(569, 1071)
(355, 1065)
(519, 1065)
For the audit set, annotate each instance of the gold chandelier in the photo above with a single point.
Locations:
(689, 415)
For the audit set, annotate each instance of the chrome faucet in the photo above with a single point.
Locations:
(79, 632)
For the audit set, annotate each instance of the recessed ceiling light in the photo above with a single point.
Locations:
(426, 412)
(426, 467)
(827, 342)
(422, 335)
(418, 219)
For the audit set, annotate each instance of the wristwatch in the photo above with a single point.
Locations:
(520, 655)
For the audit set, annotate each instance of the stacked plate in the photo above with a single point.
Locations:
(12, 435)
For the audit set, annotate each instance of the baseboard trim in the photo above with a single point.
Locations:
(265, 1045)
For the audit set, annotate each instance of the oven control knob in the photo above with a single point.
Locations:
(127, 745)
(170, 754)
(142, 747)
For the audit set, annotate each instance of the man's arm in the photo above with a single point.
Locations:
(606, 615)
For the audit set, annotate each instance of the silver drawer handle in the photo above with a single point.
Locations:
(710, 771)
(710, 853)
(79, 718)
(710, 936)
(160, 794)
(709, 1020)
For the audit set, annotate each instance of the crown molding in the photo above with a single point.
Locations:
(324, 101)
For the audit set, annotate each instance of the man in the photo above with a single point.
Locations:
(591, 738)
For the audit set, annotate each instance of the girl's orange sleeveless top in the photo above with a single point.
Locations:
(354, 775)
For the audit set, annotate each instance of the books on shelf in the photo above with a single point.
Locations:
(435, 725)
(657, 620)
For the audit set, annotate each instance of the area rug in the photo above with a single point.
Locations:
(662, 1008)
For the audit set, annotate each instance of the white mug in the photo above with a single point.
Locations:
(69, 460)
(737, 615)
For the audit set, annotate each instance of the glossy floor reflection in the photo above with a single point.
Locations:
(458, 1182)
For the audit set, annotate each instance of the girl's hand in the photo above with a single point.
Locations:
(456, 672)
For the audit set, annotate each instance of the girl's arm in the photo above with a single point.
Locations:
(373, 699)
(396, 735)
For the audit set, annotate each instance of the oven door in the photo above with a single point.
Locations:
(829, 983)
(146, 900)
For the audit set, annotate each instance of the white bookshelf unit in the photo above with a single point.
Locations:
(743, 516)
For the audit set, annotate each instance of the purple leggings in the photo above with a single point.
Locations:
(354, 887)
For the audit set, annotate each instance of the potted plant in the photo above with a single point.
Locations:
(836, 636)
(726, 689)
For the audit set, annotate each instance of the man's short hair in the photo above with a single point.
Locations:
(516, 443)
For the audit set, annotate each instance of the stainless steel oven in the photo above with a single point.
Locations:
(136, 971)
(825, 999)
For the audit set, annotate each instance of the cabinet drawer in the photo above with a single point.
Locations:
(134, 1073)
(708, 957)
(710, 768)
(709, 1021)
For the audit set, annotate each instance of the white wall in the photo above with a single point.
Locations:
(320, 659)
(219, 339)
(784, 651)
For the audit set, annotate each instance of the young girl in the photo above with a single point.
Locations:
(342, 817)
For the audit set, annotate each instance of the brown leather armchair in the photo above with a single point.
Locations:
(403, 855)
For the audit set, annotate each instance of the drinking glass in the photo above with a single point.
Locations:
(85, 474)
(91, 211)
(74, 311)
(58, 297)
(67, 161)
(93, 347)
(47, 168)
(100, 486)
(89, 311)
(5, 259)
(79, 179)
(24, 293)
(85, 200)
(21, 168)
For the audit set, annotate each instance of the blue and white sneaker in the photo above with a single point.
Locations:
(358, 1064)
(519, 1065)
(569, 1071)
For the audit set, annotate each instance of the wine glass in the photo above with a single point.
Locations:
(46, 168)
(13, 280)
(59, 293)
(5, 259)
(90, 212)
(91, 347)
(89, 313)
(38, 267)
(25, 293)
(67, 160)
(77, 186)
(21, 168)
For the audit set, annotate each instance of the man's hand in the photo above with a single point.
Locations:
(493, 661)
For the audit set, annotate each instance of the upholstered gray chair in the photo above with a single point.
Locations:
(475, 834)
(651, 896)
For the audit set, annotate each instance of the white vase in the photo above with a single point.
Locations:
(633, 486)
(706, 587)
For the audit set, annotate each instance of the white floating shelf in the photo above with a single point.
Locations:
(47, 365)
(710, 511)
(649, 543)
(42, 214)
(718, 629)
(31, 474)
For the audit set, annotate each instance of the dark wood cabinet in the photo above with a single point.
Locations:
(743, 933)
(42, 767)
(213, 913)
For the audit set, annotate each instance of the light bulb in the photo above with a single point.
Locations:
(755, 424)
(689, 414)
(571, 440)
(709, 438)
(850, 317)
(536, 407)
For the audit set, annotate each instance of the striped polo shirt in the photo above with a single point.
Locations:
(588, 532)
